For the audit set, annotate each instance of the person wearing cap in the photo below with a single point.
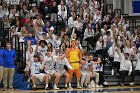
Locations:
(1, 63)
(74, 56)
(56, 52)
(60, 67)
(36, 73)
(125, 68)
(50, 35)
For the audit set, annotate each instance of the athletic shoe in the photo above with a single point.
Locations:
(132, 84)
(79, 87)
(70, 87)
(97, 86)
(55, 87)
(105, 83)
(122, 85)
(101, 86)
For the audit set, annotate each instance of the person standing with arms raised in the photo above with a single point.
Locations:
(9, 56)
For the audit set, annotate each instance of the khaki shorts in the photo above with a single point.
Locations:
(51, 72)
(62, 72)
(1, 73)
(40, 76)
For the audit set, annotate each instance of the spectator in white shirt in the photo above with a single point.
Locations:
(60, 6)
(97, 16)
(71, 21)
(125, 68)
(79, 26)
(89, 32)
(137, 68)
(23, 11)
(36, 72)
(62, 15)
(42, 48)
(33, 11)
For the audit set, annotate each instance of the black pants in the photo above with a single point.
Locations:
(136, 72)
(101, 77)
(116, 65)
(124, 73)
(111, 59)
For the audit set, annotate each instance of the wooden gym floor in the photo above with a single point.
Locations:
(114, 89)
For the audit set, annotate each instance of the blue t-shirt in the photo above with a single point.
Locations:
(8, 58)
(32, 39)
(1, 57)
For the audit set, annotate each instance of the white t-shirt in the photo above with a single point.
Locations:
(42, 50)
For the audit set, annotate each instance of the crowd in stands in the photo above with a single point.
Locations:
(50, 54)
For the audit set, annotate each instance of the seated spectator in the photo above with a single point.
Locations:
(38, 21)
(50, 35)
(62, 4)
(36, 68)
(49, 63)
(79, 26)
(71, 21)
(60, 67)
(39, 33)
(34, 11)
(98, 67)
(6, 21)
(85, 76)
(5, 10)
(137, 68)
(93, 73)
(97, 16)
(125, 68)
(42, 48)
(89, 32)
(12, 14)
(31, 38)
(46, 27)
(54, 10)
(23, 11)
(29, 61)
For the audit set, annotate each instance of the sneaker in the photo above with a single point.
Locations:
(132, 84)
(79, 87)
(55, 87)
(70, 87)
(89, 86)
(112, 72)
(122, 85)
(97, 86)
(11, 87)
(101, 86)
(105, 83)
(46, 88)
(34, 87)
(28, 80)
